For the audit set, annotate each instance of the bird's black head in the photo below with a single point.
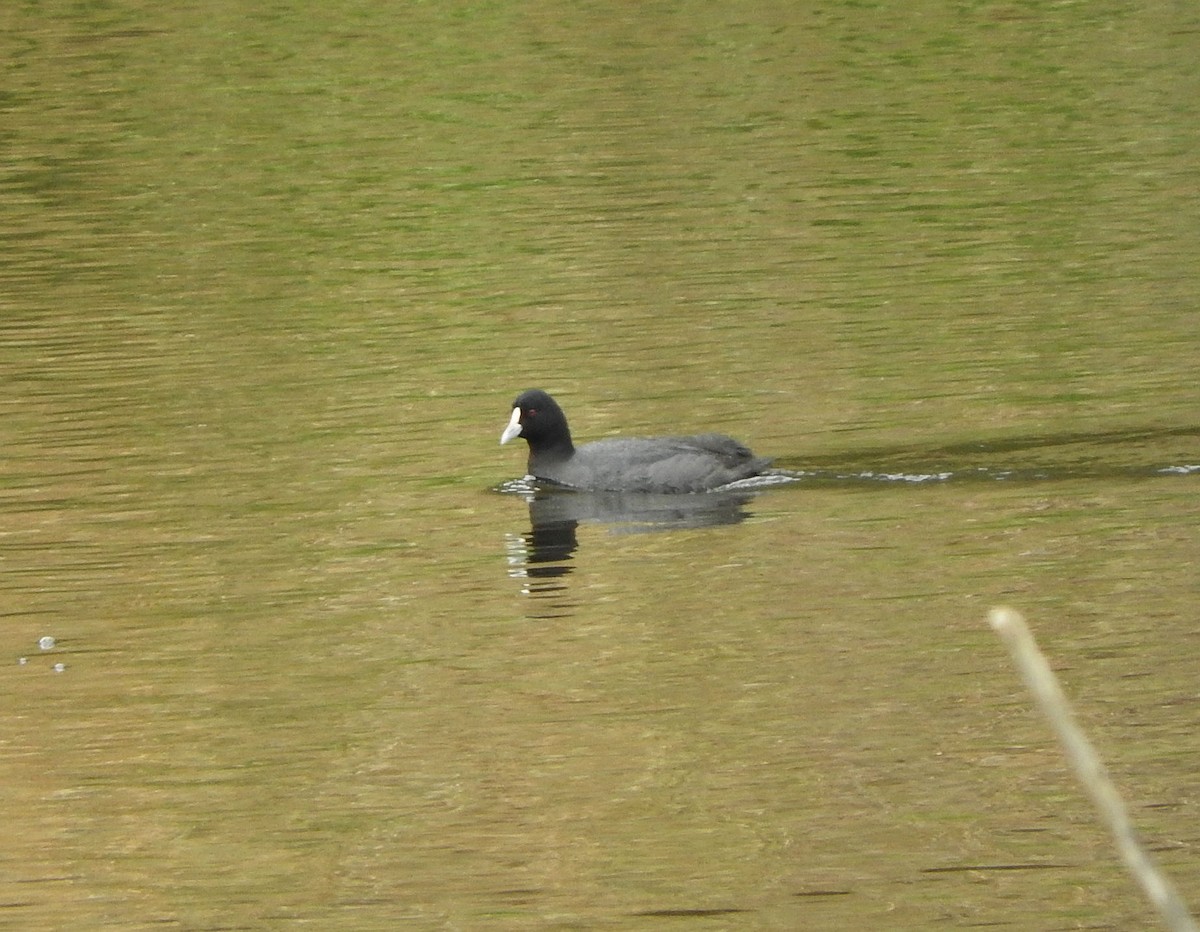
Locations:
(538, 418)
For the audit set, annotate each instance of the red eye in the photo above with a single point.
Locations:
(532, 412)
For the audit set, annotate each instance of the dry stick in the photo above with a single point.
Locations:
(1088, 767)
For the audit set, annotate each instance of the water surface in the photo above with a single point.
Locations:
(271, 279)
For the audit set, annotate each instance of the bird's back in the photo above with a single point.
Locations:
(697, 463)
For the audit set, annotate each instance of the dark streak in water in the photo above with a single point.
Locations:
(685, 913)
(1112, 454)
(1121, 437)
(966, 868)
(919, 476)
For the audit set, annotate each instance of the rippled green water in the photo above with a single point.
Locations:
(270, 279)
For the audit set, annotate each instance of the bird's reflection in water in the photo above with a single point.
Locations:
(542, 556)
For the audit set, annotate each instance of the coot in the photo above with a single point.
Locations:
(698, 463)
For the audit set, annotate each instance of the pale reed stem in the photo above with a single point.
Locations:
(1089, 768)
